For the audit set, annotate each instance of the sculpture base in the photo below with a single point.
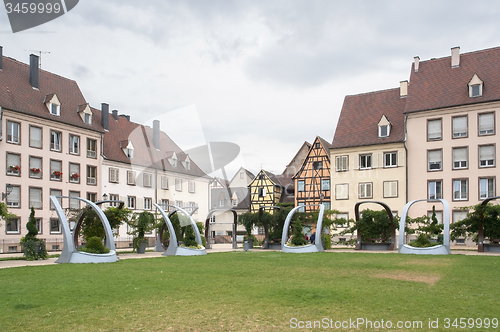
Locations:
(436, 250)
(301, 249)
(82, 257)
(183, 251)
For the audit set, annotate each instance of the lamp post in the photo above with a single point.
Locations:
(104, 197)
(321, 197)
(9, 189)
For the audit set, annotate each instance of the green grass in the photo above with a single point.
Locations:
(248, 291)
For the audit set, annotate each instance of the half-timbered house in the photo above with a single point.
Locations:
(265, 190)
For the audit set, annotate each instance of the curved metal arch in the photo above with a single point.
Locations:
(318, 244)
(159, 247)
(235, 225)
(391, 218)
(480, 231)
(69, 253)
(173, 248)
(443, 249)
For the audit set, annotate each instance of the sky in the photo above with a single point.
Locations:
(265, 75)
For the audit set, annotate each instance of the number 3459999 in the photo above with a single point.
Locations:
(462, 323)
(24, 8)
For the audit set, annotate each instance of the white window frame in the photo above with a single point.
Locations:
(91, 175)
(147, 179)
(114, 175)
(435, 189)
(431, 161)
(380, 131)
(71, 178)
(457, 130)
(131, 202)
(55, 109)
(40, 163)
(390, 159)
(91, 148)
(484, 187)
(13, 132)
(57, 223)
(460, 158)
(148, 203)
(164, 182)
(341, 191)
(488, 128)
(365, 161)
(389, 190)
(475, 90)
(131, 179)
(341, 163)
(460, 184)
(178, 184)
(54, 177)
(485, 159)
(433, 134)
(301, 185)
(191, 186)
(55, 192)
(55, 140)
(115, 198)
(74, 144)
(325, 184)
(13, 200)
(17, 222)
(36, 142)
(365, 190)
(13, 170)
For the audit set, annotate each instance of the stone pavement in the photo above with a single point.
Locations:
(455, 250)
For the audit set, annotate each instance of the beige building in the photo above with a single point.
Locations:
(451, 130)
(368, 153)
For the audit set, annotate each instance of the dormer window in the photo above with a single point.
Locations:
(384, 127)
(53, 104)
(127, 148)
(85, 113)
(173, 160)
(187, 163)
(475, 87)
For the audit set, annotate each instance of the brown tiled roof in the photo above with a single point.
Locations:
(286, 181)
(438, 85)
(17, 94)
(360, 115)
(145, 154)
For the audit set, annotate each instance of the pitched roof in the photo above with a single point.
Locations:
(360, 115)
(436, 84)
(17, 94)
(145, 154)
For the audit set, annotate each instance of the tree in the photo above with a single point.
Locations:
(5, 215)
(33, 248)
(298, 237)
(488, 215)
(92, 225)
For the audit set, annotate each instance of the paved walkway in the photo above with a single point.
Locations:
(125, 254)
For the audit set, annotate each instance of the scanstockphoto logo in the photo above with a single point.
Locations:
(25, 15)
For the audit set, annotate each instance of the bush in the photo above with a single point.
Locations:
(189, 238)
(326, 240)
(94, 246)
(298, 237)
(423, 242)
(33, 248)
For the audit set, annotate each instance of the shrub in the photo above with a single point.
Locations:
(326, 240)
(33, 248)
(94, 245)
(298, 237)
(189, 238)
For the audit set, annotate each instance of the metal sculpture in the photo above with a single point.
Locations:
(318, 244)
(359, 245)
(235, 225)
(441, 249)
(159, 247)
(173, 248)
(70, 253)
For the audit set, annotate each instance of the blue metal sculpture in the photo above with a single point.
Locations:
(173, 248)
(441, 249)
(318, 244)
(70, 253)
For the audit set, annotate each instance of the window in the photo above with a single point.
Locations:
(131, 178)
(327, 205)
(178, 204)
(383, 131)
(302, 207)
(191, 186)
(91, 175)
(262, 192)
(301, 185)
(242, 175)
(14, 198)
(435, 189)
(178, 184)
(74, 144)
(434, 128)
(486, 156)
(390, 189)
(55, 226)
(486, 188)
(55, 140)
(164, 204)
(55, 109)
(91, 148)
(325, 184)
(345, 218)
(459, 215)
(486, 123)
(147, 179)
(131, 202)
(113, 175)
(317, 145)
(235, 202)
(222, 202)
(148, 203)
(435, 158)
(114, 197)
(74, 173)
(35, 137)
(35, 197)
(55, 170)
(35, 167)
(475, 90)
(439, 216)
(39, 225)
(13, 132)
(92, 197)
(365, 190)
(317, 165)
(342, 191)
(365, 161)
(13, 164)
(164, 182)
(459, 158)
(459, 126)
(74, 204)
(87, 118)
(390, 159)
(13, 226)
(192, 207)
(55, 192)
(341, 163)
(460, 189)
(188, 165)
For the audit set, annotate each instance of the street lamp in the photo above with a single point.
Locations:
(104, 197)
(321, 197)
(9, 190)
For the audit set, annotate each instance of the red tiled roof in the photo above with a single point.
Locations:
(438, 85)
(17, 94)
(360, 115)
(145, 154)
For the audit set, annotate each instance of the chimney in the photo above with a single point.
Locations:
(156, 134)
(455, 57)
(125, 116)
(403, 89)
(115, 114)
(1, 57)
(416, 61)
(105, 116)
(34, 70)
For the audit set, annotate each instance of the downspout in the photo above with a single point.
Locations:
(406, 156)
(1, 123)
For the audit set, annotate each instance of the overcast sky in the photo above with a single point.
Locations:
(266, 75)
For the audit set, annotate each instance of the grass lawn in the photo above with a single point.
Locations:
(251, 291)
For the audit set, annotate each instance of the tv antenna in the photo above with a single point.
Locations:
(39, 55)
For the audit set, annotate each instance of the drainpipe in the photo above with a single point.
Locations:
(406, 155)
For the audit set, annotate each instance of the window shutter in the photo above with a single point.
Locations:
(435, 156)
(486, 123)
(35, 162)
(459, 126)
(36, 137)
(487, 152)
(376, 160)
(164, 182)
(130, 177)
(55, 165)
(13, 160)
(15, 196)
(74, 168)
(434, 129)
(401, 158)
(369, 190)
(459, 154)
(36, 198)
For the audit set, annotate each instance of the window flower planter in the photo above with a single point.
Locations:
(35, 170)
(15, 168)
(75, 176)
(57, 173)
